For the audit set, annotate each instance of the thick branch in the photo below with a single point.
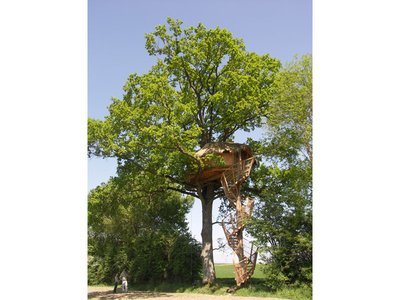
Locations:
(198, 162)
(183, 191)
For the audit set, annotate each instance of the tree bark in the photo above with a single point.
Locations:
(207, 199)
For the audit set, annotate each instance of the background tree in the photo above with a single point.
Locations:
(283, 183)
(203, 88)
(137, 228)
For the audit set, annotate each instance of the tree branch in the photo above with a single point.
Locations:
(198, 162)
(183, 192)
(220, 247)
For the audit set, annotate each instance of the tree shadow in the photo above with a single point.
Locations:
(106, 295)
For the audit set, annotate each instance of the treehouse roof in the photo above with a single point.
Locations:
(221, 147)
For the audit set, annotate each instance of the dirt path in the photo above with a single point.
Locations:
(105, 293)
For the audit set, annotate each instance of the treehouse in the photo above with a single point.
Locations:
(230, 164)
(220, 157)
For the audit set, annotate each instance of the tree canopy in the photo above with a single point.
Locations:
(283, 182)
(204, 87)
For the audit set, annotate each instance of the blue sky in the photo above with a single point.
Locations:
(116, 29)
(116, 34)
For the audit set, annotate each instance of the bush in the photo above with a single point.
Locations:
(96, 272)
(147, 238)
(274, 278)
(157, 260)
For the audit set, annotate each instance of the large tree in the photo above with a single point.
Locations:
(283, 182)
(203, 88)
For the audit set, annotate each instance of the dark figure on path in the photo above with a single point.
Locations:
(116, 280)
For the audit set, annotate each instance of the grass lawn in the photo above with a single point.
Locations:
(225, 280)
(225, 271)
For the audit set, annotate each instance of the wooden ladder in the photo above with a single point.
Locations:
(233, 177)
(242, 274)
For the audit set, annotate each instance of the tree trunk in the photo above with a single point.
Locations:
(207, 199)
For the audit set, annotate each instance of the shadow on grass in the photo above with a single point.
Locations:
(105, 295)
(255, 283)
(220, 287)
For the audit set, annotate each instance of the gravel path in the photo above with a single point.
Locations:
(105, 293)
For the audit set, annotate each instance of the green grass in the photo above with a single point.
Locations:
(227, 271)
(225, 280)
(220, 288)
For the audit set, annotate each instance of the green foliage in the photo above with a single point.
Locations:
(141, 230)
(204, 87)
(164, 258)
(274, 278)
(283, 183)
(289, 122)
(96, 270)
